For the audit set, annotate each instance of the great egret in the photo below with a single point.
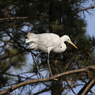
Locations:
(47, 42)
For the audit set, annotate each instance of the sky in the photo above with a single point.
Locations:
(90, 24)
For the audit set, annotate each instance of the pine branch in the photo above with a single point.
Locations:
(85, 9)
(10, 89)
(9, 25)
(9, 56)
(28, 50)
(47, 16)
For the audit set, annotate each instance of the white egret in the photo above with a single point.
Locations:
(47, 42)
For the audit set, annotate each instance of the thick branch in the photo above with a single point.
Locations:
(10, 89)
(87, 86)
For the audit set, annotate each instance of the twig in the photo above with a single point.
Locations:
(71, 87)
(13, 18)
(92, 7)
(14, 27)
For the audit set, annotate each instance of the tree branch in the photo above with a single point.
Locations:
(92, 7)
(18, 18)
(10, 89)
(15, 28)
(13, 18)
(70, 87)
(86, 87)
(9, 56)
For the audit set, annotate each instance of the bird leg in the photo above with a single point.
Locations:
(37, 64)
(49, 65)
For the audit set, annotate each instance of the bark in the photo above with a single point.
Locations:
(55, 12)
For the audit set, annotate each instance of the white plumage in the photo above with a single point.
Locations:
(47, 42)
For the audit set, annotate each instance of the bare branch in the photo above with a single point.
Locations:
(89, 86)
(92, 7)
(9, 25)
(13, 18)
(71, 87)
(10, 89)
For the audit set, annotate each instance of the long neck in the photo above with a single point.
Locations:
(63, 45)
(62, 39)
(61, 48)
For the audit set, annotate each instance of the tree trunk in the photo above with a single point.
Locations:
(57, 88)
(55, 12)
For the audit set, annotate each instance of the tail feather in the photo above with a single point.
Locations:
(30, 35)
(33, 46)
(28, 40)
(31, 38)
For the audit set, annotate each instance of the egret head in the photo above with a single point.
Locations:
(67, 39)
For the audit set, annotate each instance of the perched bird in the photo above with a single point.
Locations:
(48, 42)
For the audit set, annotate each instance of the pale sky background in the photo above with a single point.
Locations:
(90, 24)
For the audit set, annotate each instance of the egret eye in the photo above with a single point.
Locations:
(68, 39)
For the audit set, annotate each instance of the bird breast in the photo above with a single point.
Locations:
(60, 49)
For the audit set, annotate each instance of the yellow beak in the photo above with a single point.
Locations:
(73, 44)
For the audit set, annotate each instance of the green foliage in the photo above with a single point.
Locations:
(56, 26)
(13, 57)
